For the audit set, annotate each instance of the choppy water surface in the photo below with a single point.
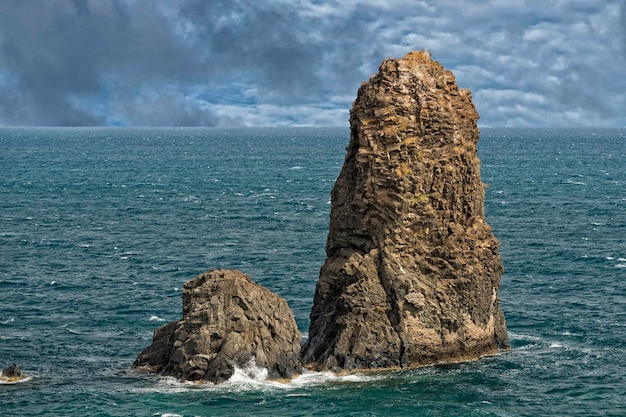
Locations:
(100, 228)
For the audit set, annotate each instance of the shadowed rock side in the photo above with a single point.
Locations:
(227, 321)
(412, 270)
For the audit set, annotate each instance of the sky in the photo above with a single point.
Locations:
(226, 63)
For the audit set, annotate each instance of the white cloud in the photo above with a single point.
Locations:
(273, 115)
(434, 40)
(538, 33)
(512, 96)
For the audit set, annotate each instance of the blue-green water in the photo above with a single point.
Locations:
(100, 228)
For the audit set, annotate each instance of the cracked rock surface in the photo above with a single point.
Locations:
(412, 270)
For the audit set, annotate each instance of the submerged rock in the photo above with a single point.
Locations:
(228, 320)
(412, 270)
(12, 373)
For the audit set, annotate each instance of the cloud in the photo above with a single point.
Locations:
(622, 26)
(565, 52)
(62, 51)
(164, 107)
(286, 62)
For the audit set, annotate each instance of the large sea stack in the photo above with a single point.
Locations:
(412, 270)
(228, 321)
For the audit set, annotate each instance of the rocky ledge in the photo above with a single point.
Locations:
(228, 320)
(412, 270)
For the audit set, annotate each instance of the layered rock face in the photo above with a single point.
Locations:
(227, 321)
(412, 270)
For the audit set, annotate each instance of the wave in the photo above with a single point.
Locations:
(528, 344)
(254, 378)
(569, 347)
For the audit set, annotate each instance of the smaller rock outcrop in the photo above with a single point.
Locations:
(12, 374)
(228, 320)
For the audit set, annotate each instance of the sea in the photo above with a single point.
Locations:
(101, 227)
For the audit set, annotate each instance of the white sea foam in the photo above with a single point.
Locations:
(297, 167)
(250, 376)
(254, 378)
(568, 333)
(519, 336)
(245, 380)
(575, 182)
(5, 381)
(7, 321)
(156, 318)
(192, 198)
(529, 342)
(620, 266)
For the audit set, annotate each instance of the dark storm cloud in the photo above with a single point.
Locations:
(59, 56)
(283, 62)
(258, 42)
(580, 87)
(290, 56)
